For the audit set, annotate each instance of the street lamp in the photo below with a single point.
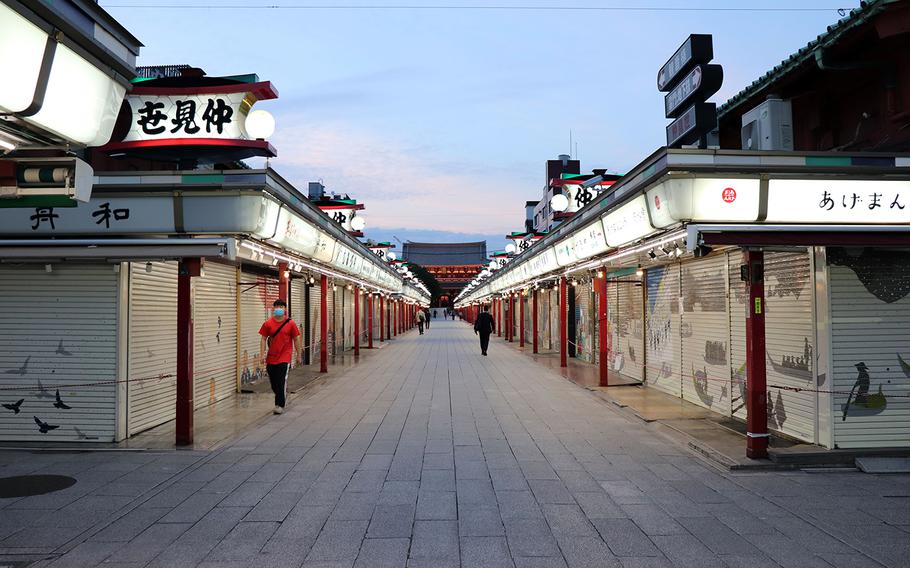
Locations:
(392, 255)
(259, 124)
(510, 248)
(358, 223)
(559, 202)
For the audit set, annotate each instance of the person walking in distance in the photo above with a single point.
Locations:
(279, 337)
(484, 326)
(421, 320)
(426, 316)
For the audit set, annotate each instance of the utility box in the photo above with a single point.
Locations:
(769, 126)
(44, 180)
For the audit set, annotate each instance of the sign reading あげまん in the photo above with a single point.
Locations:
(838, 201)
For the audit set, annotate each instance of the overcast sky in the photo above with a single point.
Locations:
(441, 120)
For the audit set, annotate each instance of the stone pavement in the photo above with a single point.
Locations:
(429, 455)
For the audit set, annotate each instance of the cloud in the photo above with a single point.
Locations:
(399, 187)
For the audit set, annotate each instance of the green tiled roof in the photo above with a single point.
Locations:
(856, 17)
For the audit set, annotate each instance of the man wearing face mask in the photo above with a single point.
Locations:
(279, 337)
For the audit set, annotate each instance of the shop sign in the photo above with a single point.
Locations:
(627, 223)
(701, 82)
(296, 234)
(381, 251)
(689, 79)
(98, 216)
(579, 196)
(342, 214)
(589, 241)
(698, 48)
(543, 262)
(838, 201)
(325, 248)
(702, 199)
(564, 253)
(346, 259)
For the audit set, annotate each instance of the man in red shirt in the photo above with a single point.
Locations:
(280, 335)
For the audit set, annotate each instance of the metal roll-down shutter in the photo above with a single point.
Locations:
(662, 341)
(257, 293)
(215, 334)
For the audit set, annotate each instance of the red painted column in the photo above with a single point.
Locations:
(521, 319)
(356, 320)
(534, 320)
(603, 327)
(497, 309)
(563, 323)
(324, 324)
(370, 320)
(756, 379)
(381, 320)
(186, 270)
(284, 281)
(511, 317)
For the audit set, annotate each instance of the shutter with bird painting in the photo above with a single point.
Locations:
(870, 353)
(215, 334)
(58, 330)
(662, 325)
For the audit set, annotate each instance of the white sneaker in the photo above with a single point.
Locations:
(278, 410)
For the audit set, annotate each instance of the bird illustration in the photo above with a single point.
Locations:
(15, 406)
(23, 370)
(44, 427)
(59, 403)
(62, 351)
(83, 436)
(43, 392)
(860, 387)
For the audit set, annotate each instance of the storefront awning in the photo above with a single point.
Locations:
(115, 249)
(757, 235)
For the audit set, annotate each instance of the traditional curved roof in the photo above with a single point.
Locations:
(445, 254)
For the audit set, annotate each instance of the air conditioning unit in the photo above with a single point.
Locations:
(769, 126)
(33, 177)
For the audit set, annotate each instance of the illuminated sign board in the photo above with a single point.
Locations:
(627, 223)
(838, 201)
(698, 48)
(689, 79)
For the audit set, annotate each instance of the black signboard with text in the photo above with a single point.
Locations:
(689, 80)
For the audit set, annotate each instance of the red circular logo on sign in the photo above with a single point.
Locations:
(729, 195)
(657, 201)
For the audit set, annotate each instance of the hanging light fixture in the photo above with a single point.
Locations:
(639, 272)
(559, 202)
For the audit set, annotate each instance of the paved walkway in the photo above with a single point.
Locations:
(429, 455)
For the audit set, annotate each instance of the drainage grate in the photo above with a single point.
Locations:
(29, 485)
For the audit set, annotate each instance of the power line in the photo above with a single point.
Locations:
(543, 8)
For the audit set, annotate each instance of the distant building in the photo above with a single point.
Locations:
(454, 265)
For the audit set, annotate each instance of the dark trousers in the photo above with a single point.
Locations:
(484, 341)
(278, 377)
(420, 326)
(428, 323)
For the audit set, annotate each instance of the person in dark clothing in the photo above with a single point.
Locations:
(484, 326)
(426, 313)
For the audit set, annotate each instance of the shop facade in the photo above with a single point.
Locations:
(648, 284)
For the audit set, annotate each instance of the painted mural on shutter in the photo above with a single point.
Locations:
(870, 316)
(529, 328)
(298, 309)
(543, 320)
(705, 333)
(257, 293)
(152, 345)
(215, 334)
(625, 307)
(789, 342)
(584, 323)
(737, 302)
(662, 329)
(554, 319)
(58, 330)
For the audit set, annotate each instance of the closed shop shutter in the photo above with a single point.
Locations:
(215, 334)
(333, 326)
(662, 330)
(554, 319)
(869, 348)
(737, 302)
(584, 323)
(529, 328)
(298, 309)
(315, 318)
(705, 333)
(543, 319)
(152, 345)
(257, 293)
(789, 341)
(625, 307)
(58, 329)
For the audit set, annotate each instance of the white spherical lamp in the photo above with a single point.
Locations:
(260, 124)
(392, 255)
(358, 223)
(510, 248)
(559, 202)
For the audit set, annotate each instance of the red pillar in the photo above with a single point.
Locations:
(284, 281)
(563, 323)
(324, 324)
(186, 270)
(756, 380)
(511, 317)
(521, 319)
(603, 327)
(534, 320)
(370, 320)
(381, 320)
(497, 308)
(356, 320)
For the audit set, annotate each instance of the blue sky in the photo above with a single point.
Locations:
(440, 121)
